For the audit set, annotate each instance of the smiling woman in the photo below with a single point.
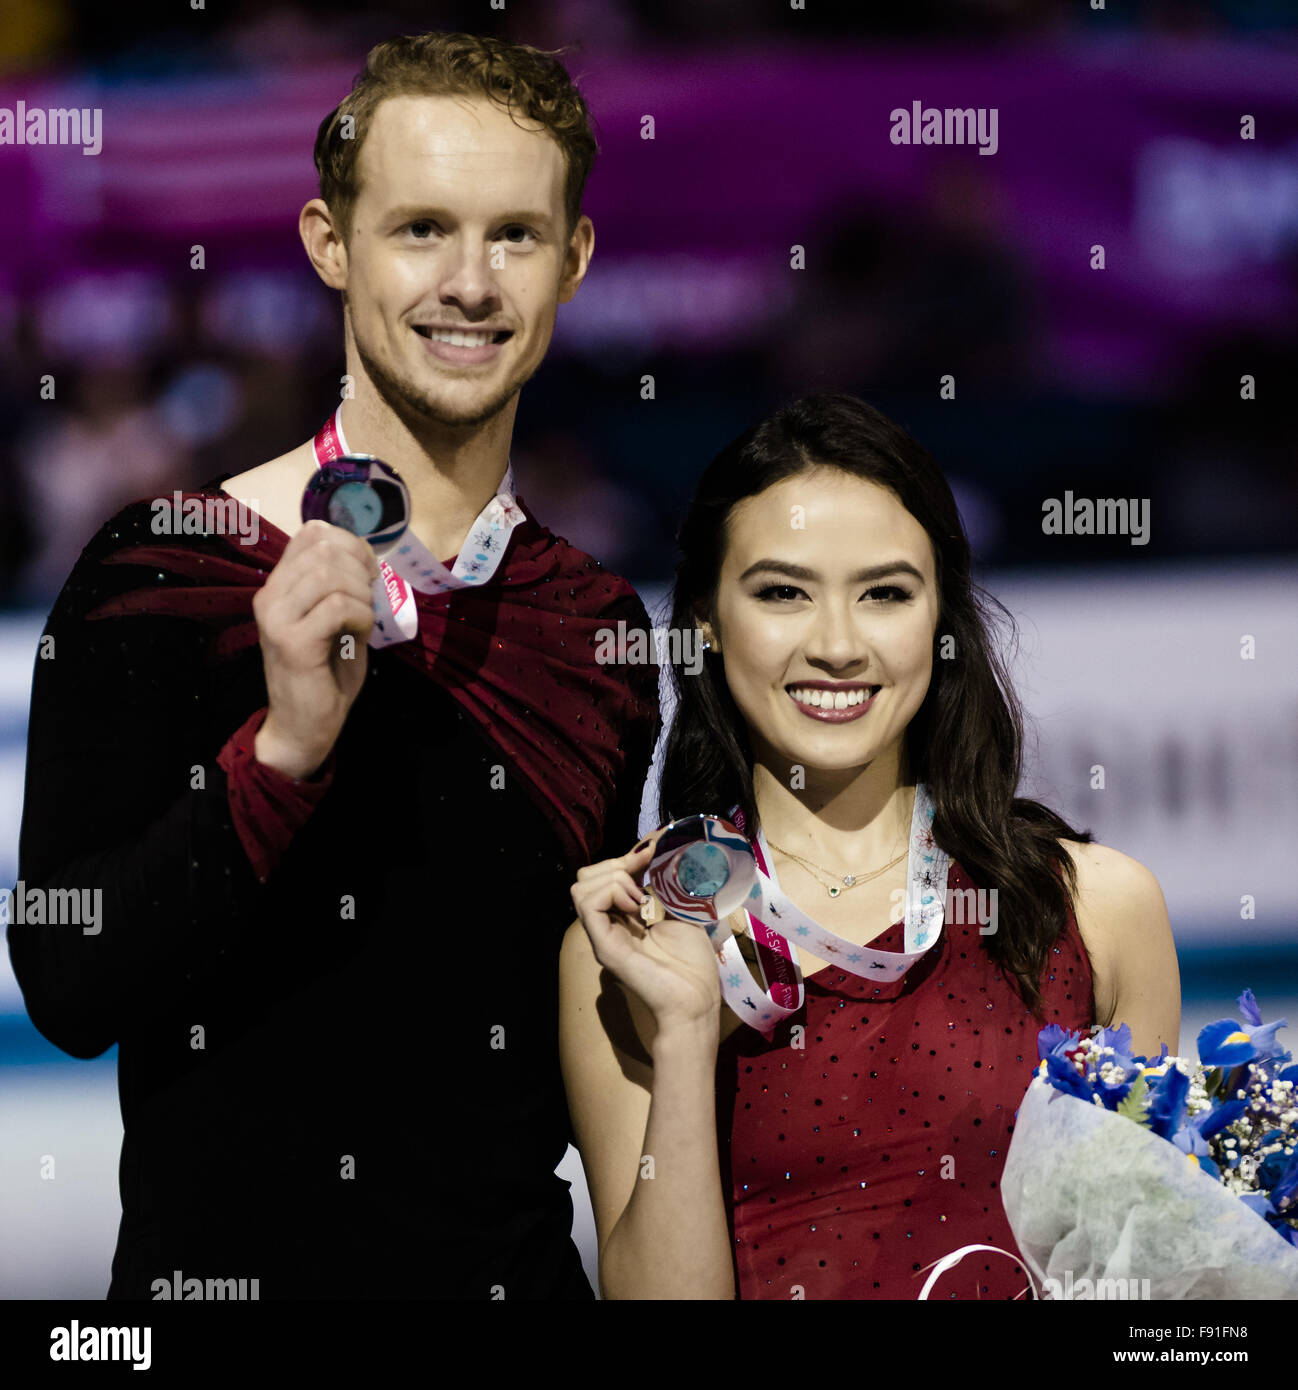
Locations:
(854, 718)
(805, 497)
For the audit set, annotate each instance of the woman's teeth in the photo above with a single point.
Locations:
(830, 699)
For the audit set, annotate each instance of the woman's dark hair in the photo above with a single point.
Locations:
(965, 741)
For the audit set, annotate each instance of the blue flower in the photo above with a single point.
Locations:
(1190, 1141)
(1209, 1122)
(1113, 1093)
(1049, 1038)
(1265, 1207)
(1192, 1137)
(1248, 1007)
(1167, 1097)
(1058, 1067)
(1258, 1202)
(1284, 1184)
(1119, 1039)
(1061, 1053)
(1226, 1044)
(1064, 1076)
(1208, 1166)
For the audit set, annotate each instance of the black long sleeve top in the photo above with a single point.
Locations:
(342, 1081)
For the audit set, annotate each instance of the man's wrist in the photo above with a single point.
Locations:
(271, 750)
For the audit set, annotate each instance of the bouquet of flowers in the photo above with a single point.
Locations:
(1167, 1179)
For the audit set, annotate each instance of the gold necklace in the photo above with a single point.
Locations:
(848, 880)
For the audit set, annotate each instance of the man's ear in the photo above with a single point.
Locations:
(581, 247)
(324, 245)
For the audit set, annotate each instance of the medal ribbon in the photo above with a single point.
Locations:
(412, 565)
(778, 920)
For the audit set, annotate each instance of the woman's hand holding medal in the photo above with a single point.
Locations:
(668, 963)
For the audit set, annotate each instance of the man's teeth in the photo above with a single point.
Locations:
(831, 699)
(458, 339)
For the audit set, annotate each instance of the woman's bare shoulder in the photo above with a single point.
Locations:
(1106, 873)
(1122, 919)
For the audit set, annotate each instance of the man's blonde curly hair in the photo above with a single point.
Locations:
(529, 81)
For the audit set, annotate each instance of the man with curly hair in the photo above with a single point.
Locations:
(334, 812)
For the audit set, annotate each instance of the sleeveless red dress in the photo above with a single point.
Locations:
(855, 1161)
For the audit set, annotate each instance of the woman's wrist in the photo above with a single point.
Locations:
(687, 1037)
